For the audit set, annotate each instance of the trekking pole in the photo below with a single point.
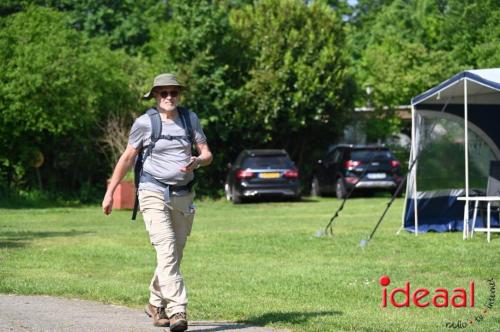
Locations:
(329, 226)
(364, 242)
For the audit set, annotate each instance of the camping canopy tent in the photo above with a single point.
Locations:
(455, 135)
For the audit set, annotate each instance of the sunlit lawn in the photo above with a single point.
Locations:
(256, 263)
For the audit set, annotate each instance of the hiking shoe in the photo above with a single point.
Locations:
(178, 322)
(158, 314)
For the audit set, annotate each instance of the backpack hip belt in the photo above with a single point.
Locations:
(167, 188)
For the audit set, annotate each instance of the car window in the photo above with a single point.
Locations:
(271, 161)
(337, 156)
(329, 156)
(367, 155)
(334, 156)
(239, 159)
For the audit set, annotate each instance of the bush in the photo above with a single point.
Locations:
(56, 87)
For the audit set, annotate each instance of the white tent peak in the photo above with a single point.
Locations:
(451, 91)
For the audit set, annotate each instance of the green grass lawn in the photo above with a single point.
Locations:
(256, 263)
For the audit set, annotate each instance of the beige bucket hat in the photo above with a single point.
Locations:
(163, 80)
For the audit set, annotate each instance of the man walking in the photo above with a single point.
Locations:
(165, 193)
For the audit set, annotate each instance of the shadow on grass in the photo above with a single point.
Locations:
(296, 318)
(23, 238)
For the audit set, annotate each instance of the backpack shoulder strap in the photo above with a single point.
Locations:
(186, 122)
(154, 116)
(144, 152)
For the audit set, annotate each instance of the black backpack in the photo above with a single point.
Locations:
(156, 135)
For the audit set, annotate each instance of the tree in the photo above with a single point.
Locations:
(471, 29)
(56, 87)
(487, 51)
(402, 48)
(122, 23)
(296, 96)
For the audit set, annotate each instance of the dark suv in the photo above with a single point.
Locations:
(343, 165)
(262, 173)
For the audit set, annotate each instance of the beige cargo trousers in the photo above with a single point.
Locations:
(169, 225)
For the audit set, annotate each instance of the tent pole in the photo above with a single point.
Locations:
(408, 178)
(414, 170)
(466, 129)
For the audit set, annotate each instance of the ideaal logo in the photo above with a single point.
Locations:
(422, 297)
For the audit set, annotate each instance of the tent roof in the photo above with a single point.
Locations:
(485, 84)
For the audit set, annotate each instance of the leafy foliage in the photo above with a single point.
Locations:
(122, 23)
(402, 48)
(56, 86)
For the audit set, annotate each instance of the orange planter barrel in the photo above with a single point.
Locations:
(124, 196)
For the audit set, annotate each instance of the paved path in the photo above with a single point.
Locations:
(45, 313)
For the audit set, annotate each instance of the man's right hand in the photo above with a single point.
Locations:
(122, 166)
(107, 204)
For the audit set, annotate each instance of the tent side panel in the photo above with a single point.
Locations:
(437, 212)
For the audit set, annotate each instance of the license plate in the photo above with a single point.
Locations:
(376, 176)
(269, 175)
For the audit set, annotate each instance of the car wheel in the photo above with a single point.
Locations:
(315, 190)
(227, 191)
(340, 189)
(235, 197)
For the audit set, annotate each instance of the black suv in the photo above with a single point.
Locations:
(262, 173)
(343, 165)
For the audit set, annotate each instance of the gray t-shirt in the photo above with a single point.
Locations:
(168, 156)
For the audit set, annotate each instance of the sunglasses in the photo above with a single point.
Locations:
(172, 93)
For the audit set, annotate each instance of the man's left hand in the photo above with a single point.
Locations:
(193, 164)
